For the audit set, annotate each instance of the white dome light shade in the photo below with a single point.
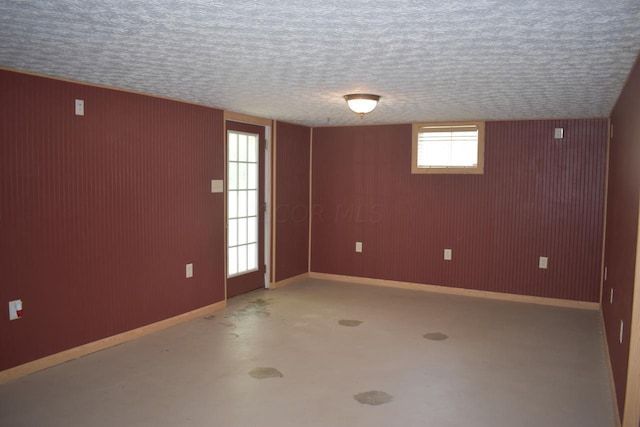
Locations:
(362, 103)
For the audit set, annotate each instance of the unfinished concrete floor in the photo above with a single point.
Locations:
(310, 353)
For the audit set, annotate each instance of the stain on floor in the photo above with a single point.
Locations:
(436, 336)
(210, 317)
(262, 373)
(258, 308)
(373, 397)
(352, 323)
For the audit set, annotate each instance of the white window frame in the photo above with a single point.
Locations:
(477, 169)
(249, 243)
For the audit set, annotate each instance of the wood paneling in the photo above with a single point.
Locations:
(292, 200)
(100, 213)
(538, 197)
(622, 227)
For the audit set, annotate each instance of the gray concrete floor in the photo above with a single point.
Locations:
(484, 363)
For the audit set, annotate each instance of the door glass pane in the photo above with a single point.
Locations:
(242, 258)
(242, 147)
(242, 176)
(242, 231)
(233, 176)
(242, 203)
(252, 176)
(252, 229)
(232, 256)
(233, 204)
(252, 256)
(252, 201)
(233, 146)
(252, 149)
(233, 232)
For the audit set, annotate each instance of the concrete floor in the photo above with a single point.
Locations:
(483, 363)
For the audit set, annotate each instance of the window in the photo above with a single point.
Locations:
(454, 148)
(242, 203)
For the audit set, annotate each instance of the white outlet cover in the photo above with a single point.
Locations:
(358, 246)
(14, 306)
(79, 107)
(447, 254)
(558, 133)
(543, 262)
(189, 271)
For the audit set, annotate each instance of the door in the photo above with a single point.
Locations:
(245, 208)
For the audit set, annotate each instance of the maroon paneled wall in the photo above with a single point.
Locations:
(622, 227)
(100, 213)
(292, 200)
(538, 197)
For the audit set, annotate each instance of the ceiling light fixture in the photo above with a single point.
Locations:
(362, 103)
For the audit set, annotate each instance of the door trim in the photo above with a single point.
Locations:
(269, 189)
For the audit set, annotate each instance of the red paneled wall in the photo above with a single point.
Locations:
(99, 214)
(538, 197)
(292, 200)
(622, 227)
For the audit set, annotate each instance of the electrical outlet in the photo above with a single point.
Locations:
(358, 246)
(79, 107)
(558, 133)
(543, 262)
(15, 309)
(189, 271)
(447, 254)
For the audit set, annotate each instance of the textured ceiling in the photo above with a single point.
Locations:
(293, 60)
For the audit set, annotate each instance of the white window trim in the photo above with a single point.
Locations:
(478, 170)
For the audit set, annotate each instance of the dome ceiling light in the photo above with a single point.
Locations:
(362, 103)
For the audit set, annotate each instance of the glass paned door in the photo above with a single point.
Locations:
(242, 203)
(245, 197)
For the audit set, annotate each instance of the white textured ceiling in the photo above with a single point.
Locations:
(293, 60)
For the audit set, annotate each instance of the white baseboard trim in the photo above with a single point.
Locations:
(612, 384)
(556, 302)
(290, 280)
(73, 353)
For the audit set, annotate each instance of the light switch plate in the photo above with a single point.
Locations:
(217, 186)
(543, 262)
(189, 271)
(358, 246)
(447, 254)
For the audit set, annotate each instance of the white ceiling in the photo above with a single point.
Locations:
(293, 60)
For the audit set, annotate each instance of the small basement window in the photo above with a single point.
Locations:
(453, 148)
